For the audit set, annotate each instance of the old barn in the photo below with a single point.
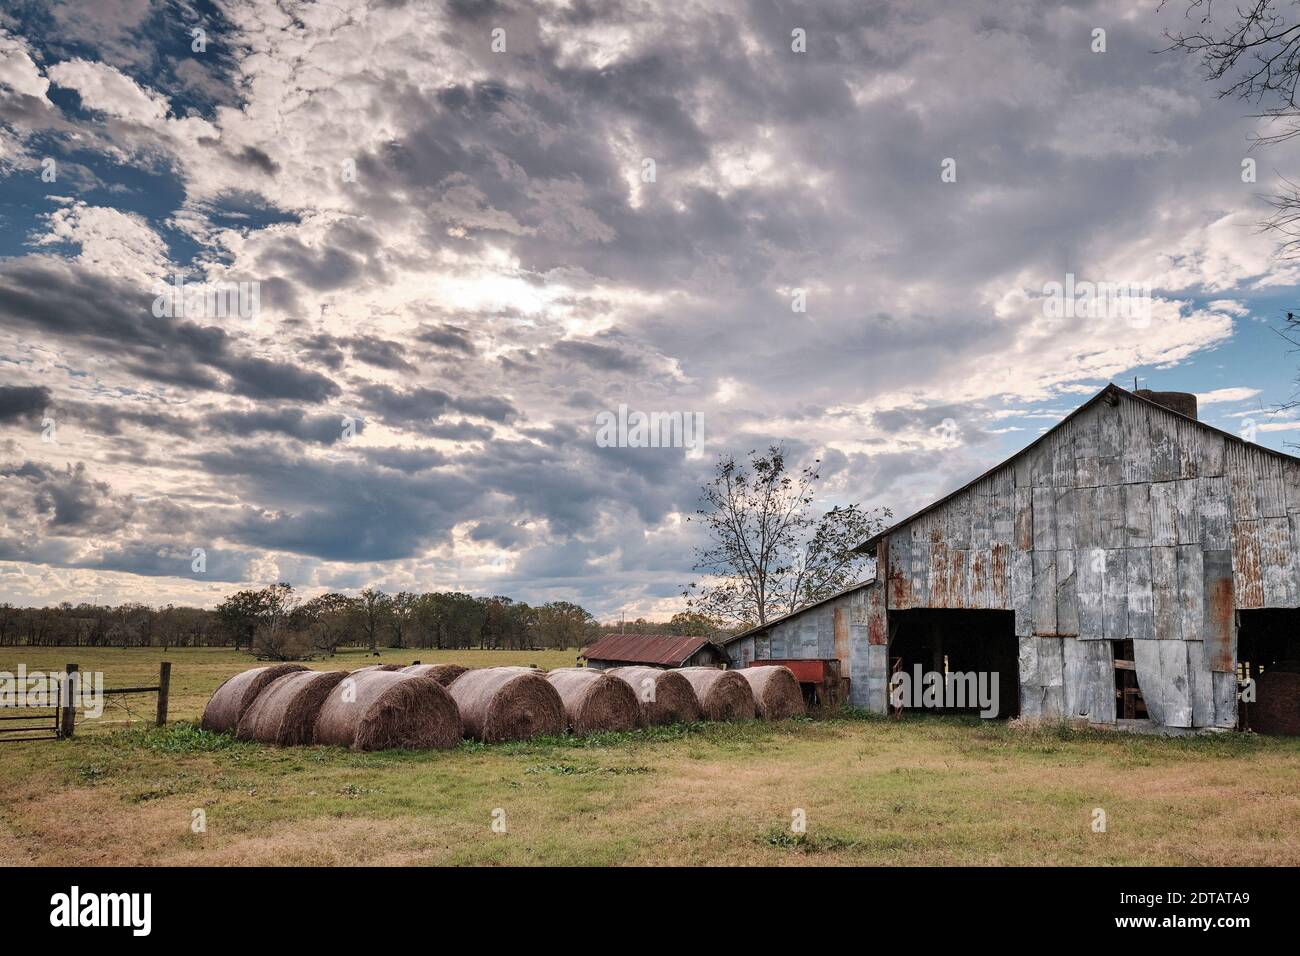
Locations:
(1125, 568)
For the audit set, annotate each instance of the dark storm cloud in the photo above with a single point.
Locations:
(447, 337)
(110, 317)
(252, 156)
(381, 353)
(19, 403)
(420, 407)
(294, 422)
(606, 358)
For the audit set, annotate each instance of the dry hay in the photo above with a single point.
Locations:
(723, 695)
(285, 713)
(666, 697)
(444, 674)
(595, 701)
(236, 694)
(378, 667)
(776, 691)
(507, 703)
(1277, 703)
(388, 710)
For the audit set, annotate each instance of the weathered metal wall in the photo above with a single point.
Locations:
(839, 628)
(1125, 522)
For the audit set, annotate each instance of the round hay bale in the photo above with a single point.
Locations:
(723, 695)
(444, 674)
(666, 697)
(236, 694)
(379, 667)
(776, 691)
(1277, 703)
(507, 703)
(388, 710)
(595, 701)
(285, 713)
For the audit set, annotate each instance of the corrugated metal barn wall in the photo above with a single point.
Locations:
(1126, 522)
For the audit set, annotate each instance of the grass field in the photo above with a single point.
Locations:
(923, 791)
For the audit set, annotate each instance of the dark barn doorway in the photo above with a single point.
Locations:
(1268, 651)
(960, 641)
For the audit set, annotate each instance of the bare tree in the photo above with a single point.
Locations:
(768, 553)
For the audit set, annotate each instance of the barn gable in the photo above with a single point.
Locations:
(1128, 521)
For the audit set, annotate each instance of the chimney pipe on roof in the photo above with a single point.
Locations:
(1182, 402)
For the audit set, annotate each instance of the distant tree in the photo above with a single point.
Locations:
(240, 615)
(695, 624)
(401, 616)
(769, 553)
(561, 624)
(331, 617)
(375, 608)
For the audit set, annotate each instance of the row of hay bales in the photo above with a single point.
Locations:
(433, 706)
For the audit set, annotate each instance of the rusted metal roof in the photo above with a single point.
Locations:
(668, 650)
(1111, 393)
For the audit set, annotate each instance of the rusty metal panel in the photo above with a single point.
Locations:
(900, 569)
(1164, 514)
(1165, 608)
(1164, 446)
(919, 563)
(1090, 579)
(1022, 591)
(940, 575)
(1067, 603)
(1247, 574)
(843, 647)
(1115, 594)
(1174, 683)
(1137, 516)
(1141, 625)
(1137, 442)
(1087, 518)
(1000, 576)
(1110, 432)
(1213, 505)
(1211, 452)
(1111, 505)
(958, 597)
(877, 622)
(979, 585)
(1063, 460)
(1041, 473)
(1271, 496)
(1044, 519)
(1031, 687)
(1220, 627)
(1001, 517)
(1051, 672)
(981, 532)
(1044, 594)
(1146, 665)
(1191, 593)
(1201, 681)
(1225, 699)
(1085, 435)
(1089, 681)
(1189, 511)
(1244, 502)
(1275, 558)
(956, 527)
(1066, 518)
(1087, 472)
(1189, 449)
(1291, 483)
(1024, 518)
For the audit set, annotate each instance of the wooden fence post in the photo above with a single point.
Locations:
(164, 686)
(68, 712)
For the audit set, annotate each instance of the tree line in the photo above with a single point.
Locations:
(277, 624)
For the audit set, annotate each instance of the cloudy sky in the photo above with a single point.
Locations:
(461, 258)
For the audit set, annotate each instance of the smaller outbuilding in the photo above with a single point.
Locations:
(653, 650)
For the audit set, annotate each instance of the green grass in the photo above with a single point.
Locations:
(919, 791)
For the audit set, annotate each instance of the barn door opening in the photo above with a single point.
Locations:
(960, 643)
(1268, 651)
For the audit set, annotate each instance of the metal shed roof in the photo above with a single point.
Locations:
(669, 650)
